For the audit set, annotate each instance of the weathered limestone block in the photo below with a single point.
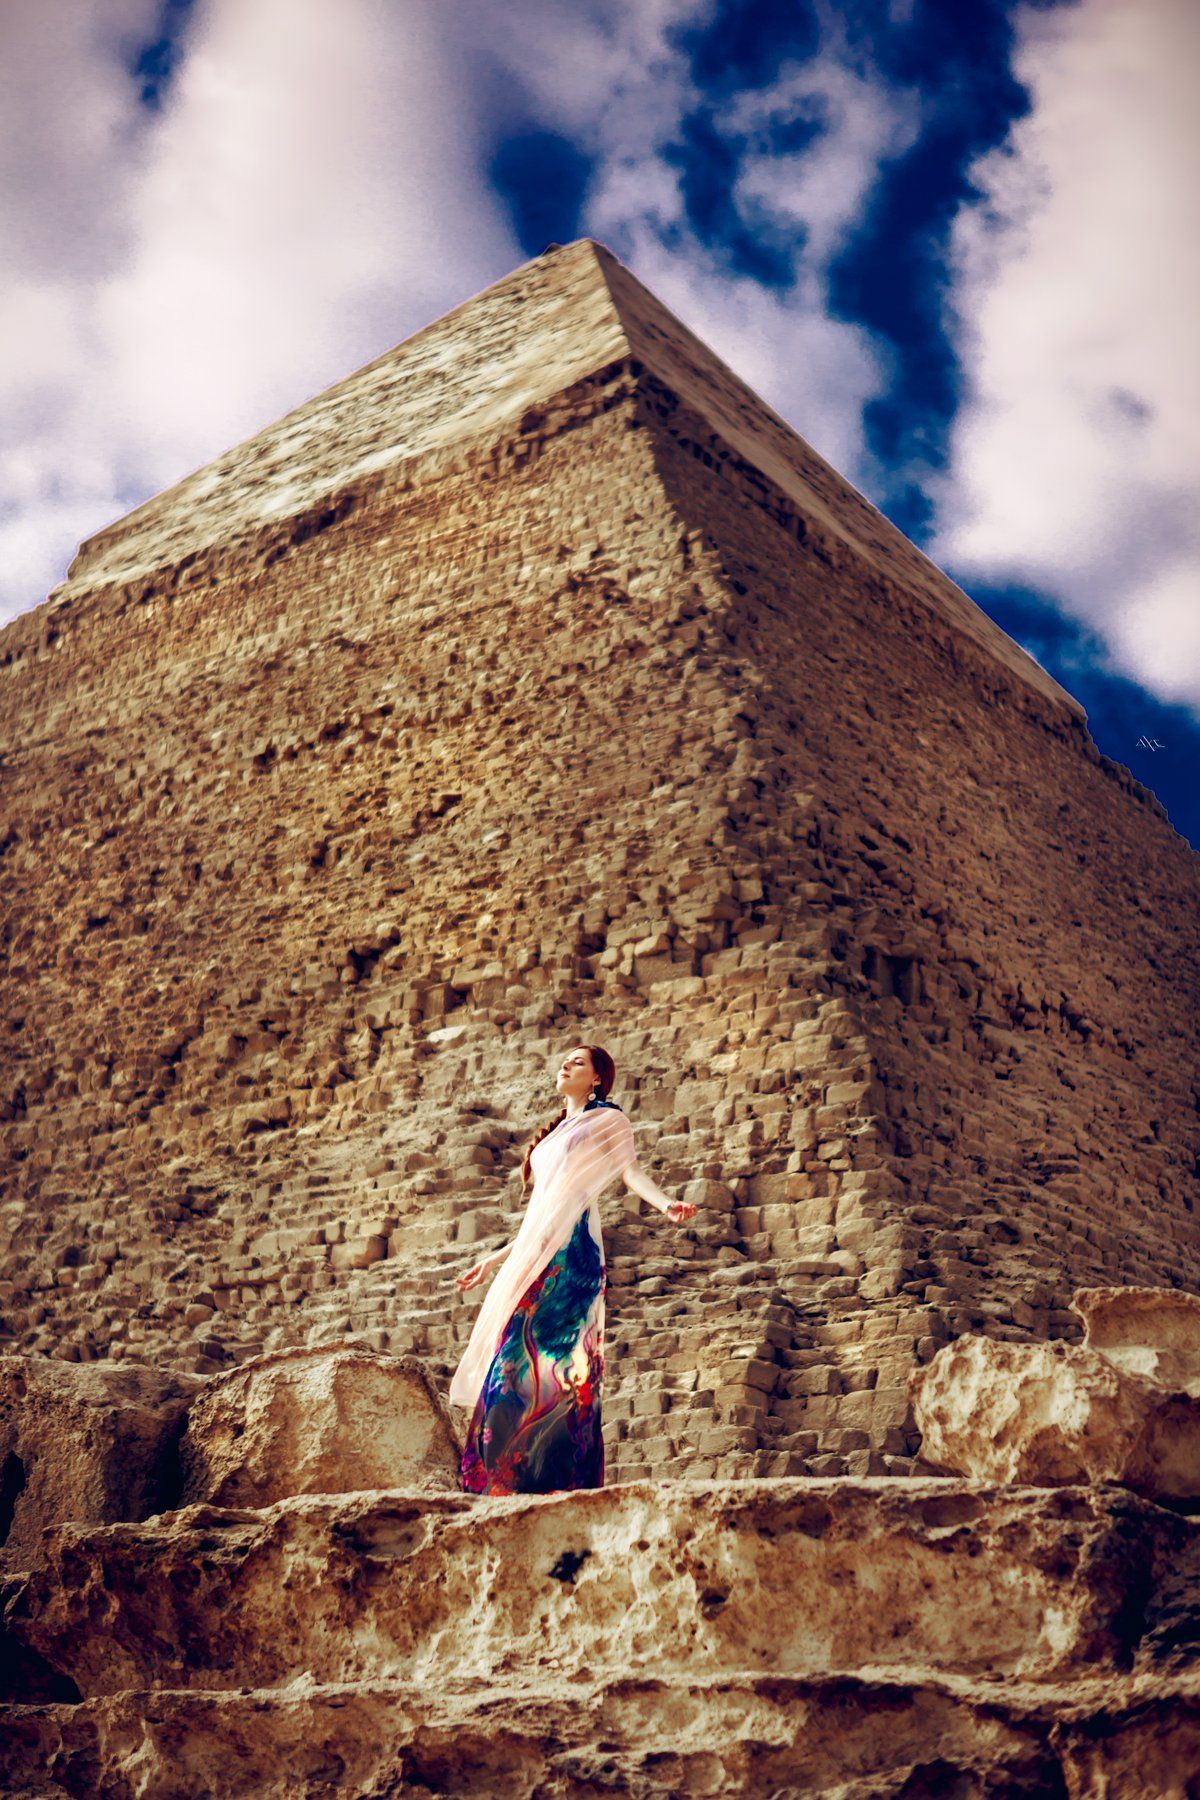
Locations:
(359, 1252)
(1054, 1412)
(95, 1442)
(317, 1421)
(1146, 1331)
(794, 1577)
(855, 1735)
(876, 1637)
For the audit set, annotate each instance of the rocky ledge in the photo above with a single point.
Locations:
(282, 1592)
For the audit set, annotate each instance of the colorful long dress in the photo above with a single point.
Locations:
(534, 1365)
(536, 1427)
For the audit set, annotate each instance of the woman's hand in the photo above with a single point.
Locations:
(638, 1182)
(474, 1275)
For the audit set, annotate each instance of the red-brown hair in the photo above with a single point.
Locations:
(605, 1069)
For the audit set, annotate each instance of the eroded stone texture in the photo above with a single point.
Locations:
(316, 1422)
(1055, 1413)
(678, 1637)
(1147, 1331)
(92, 1444)
(802, 1577)
(854, 1736)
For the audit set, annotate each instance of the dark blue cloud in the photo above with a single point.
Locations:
(543, 179)
(892, 275)
(152, 65)
(739, 48)
(708, 161)
(743, 45)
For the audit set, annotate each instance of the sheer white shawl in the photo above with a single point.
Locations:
(571, 1167)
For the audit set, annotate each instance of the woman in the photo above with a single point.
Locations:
(532, 1368)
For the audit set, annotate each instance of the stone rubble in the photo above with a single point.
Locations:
(96, 1444)
(1045, 1413)
(874, 1635)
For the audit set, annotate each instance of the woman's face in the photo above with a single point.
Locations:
(576, 1076)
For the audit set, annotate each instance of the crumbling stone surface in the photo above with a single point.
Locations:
(701, 1578)
(316, 1422)
(866, 1735)
(1056, 1412)
(1146, 1331)
(92, 1444)
(678, 1637)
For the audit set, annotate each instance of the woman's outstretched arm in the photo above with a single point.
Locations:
(638, 1182)
(482, 1269)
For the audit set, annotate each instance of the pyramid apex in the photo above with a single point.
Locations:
(472, 374)
(575, 245)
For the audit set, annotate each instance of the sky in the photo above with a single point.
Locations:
(953, 242)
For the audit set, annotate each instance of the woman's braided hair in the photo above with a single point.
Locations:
(605, 1069)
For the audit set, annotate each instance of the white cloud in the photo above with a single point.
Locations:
(315, 190)
(609, 76)
(311, 195)
(822, 189)
(1076, 458)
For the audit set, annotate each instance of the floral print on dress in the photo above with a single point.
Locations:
(536, 1425)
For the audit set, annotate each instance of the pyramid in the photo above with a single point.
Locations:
(536, 684)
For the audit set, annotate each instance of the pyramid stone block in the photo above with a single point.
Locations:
(91, 1444)
(316, 1422)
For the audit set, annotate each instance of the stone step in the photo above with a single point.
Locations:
(575, 1734)
(793, 1577)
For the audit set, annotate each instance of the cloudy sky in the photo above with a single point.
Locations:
(953, 242)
